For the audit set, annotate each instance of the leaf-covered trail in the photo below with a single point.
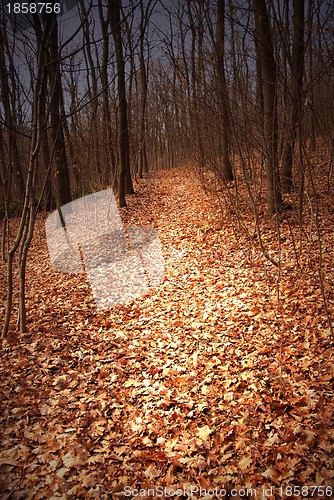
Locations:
(202, 382)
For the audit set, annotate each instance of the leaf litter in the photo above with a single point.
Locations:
(206, 380)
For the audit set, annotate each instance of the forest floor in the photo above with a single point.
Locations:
(209, 384)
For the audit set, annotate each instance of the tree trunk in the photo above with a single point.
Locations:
(107, 130)
(267, 62)
(125, 181)
(25, 230)
(92, 91)
(297, 68)
(144, 20)
(223, 92)
(61, 170)
(196, 71)
(310, 77)
(10, 121)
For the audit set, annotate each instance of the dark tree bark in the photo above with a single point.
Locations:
(268, 69)
(145, 15)
(107, 129)
(60, 164)
(125, 181)
(24, 232)
(196, 71)
(92, 90)
(310, 76)
(10, 121)
(297, 69)
(45, 151)
(223, 92)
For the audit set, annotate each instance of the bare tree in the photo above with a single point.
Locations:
(106, 112)
(125, 181)
(145, 14)
(61, 169)
(25, 230)
(268, 71)
(296, 93)
(223, 92)
(7, 81)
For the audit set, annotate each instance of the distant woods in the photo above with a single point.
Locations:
(127, 87)
(100, 95)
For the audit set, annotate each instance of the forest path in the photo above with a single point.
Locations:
(199, 382)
